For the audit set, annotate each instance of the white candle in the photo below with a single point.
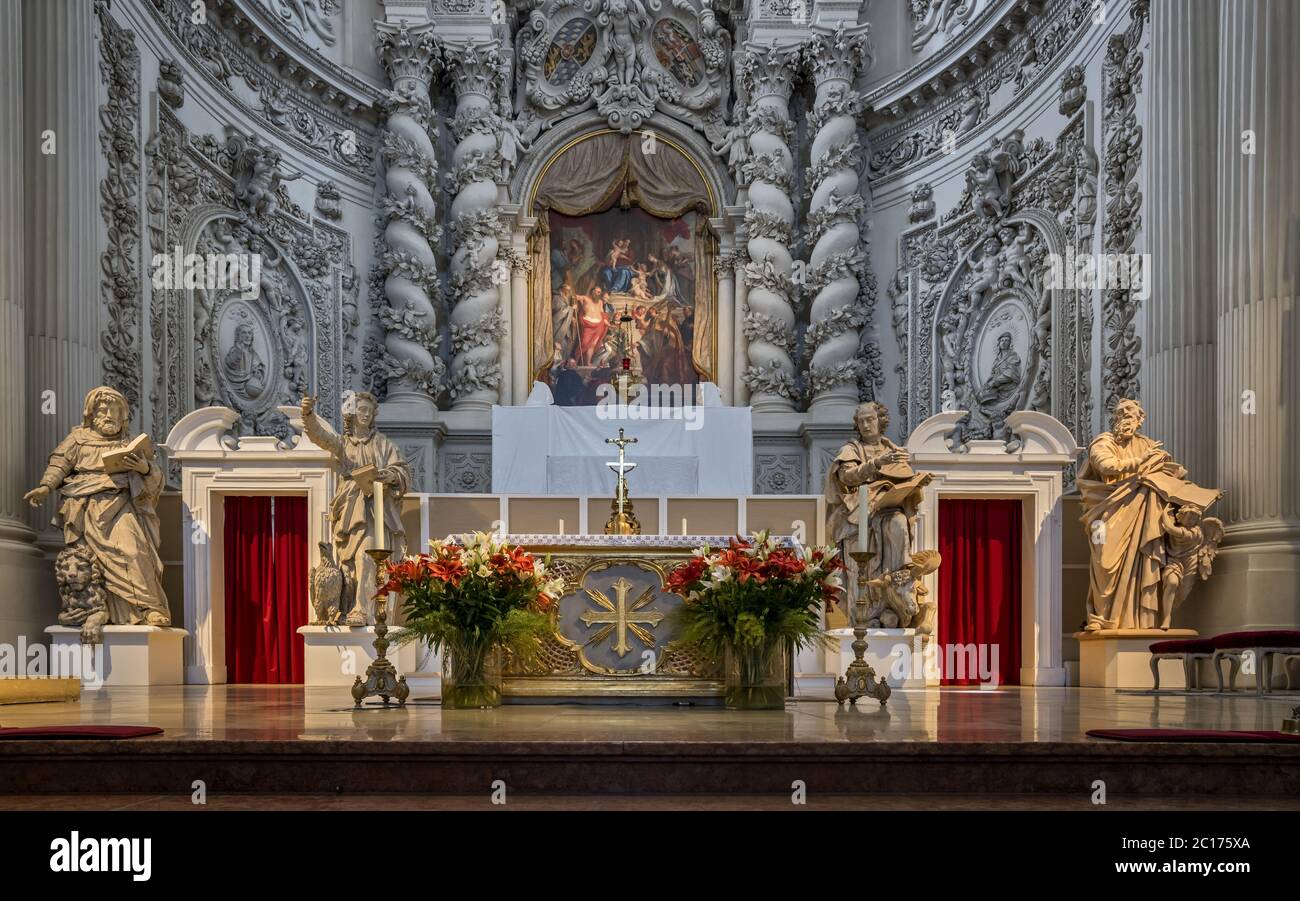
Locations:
(561, 527)
(864, 505)
(684, 525)
(379, 515)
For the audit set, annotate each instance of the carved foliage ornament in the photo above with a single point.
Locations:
(627, 59)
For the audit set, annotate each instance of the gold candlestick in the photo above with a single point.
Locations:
(859, 679)
(381, 676)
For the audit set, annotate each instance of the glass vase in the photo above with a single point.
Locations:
(755, 677)
(471, 677)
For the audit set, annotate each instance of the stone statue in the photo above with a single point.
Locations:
(108, 512)
(895, 491)
(83, 601)
(352, 512)
(1192, 541)
(1144, 525)
(326, 588)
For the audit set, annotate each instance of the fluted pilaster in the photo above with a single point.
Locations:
(1181, 310)
(29, 591)
(476, 277)
(836, 207)
(769, 73)
(75, 313)
(410, 319)
(1258, 325)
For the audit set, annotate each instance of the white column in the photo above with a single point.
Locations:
(724, 269)
(1179, 375)
(1257, 574)
(61, 82)
(410, 318)
(837, 259)
(769, 73)
(28, 604)
(476, 322)
(520, 264)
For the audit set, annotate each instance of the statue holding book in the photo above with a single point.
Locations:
(366, 512)
(1148, 538)
(894, 492)
(108, 485)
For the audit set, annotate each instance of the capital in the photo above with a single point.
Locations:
(408, 53)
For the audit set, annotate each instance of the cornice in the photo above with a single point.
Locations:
(274, 43)
(936, 75)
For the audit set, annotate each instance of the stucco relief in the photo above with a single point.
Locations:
(227, 344)
(980, 325)
(626, 58)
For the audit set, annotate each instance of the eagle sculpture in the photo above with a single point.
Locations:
(326, 588)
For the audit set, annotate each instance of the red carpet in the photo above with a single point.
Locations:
(78, 732)
(1192, 735)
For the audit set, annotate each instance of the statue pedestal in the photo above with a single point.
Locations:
(1119, 658)
(897, 655)
(336, 655)
(129, 655)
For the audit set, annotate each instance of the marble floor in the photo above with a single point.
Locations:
(280, 713)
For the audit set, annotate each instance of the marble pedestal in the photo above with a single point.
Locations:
(1115, 658)
(895, 654)
(129, 655)
(336, 655)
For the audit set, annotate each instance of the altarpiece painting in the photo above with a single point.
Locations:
(622, 269)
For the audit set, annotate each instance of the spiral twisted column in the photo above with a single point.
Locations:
(768, 74)
(410, 318)
(836, 207)
(476, 276)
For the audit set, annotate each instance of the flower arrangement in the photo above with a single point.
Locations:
(471, 601)
(751, 602)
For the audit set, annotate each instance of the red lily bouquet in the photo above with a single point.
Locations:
(754, 593)
(472, 600)
(750, 604)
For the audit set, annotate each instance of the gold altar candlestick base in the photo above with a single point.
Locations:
(381, 679)
(859, 679)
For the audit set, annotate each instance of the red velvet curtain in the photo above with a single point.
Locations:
(979, 591)
(266, 588)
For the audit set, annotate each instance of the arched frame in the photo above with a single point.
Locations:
(547, 150)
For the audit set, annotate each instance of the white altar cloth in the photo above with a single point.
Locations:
(716, 442)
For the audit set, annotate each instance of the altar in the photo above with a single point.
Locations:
(614, 636)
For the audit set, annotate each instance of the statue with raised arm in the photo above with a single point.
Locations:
(894, 492)
(363, 458)
(108, 485)
(1145, 533)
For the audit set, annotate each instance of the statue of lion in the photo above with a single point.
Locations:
(83, 601)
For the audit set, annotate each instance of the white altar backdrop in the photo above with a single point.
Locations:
(562, 450)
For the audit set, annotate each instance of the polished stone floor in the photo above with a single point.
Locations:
(247, 712)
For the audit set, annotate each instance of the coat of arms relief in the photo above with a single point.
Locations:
(627, 59)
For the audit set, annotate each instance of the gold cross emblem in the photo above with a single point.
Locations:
(618, 614)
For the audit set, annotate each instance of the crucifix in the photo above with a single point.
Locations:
(622, 520)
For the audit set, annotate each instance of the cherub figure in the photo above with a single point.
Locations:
(1191, 544)
(985, 273)
(624, 19)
